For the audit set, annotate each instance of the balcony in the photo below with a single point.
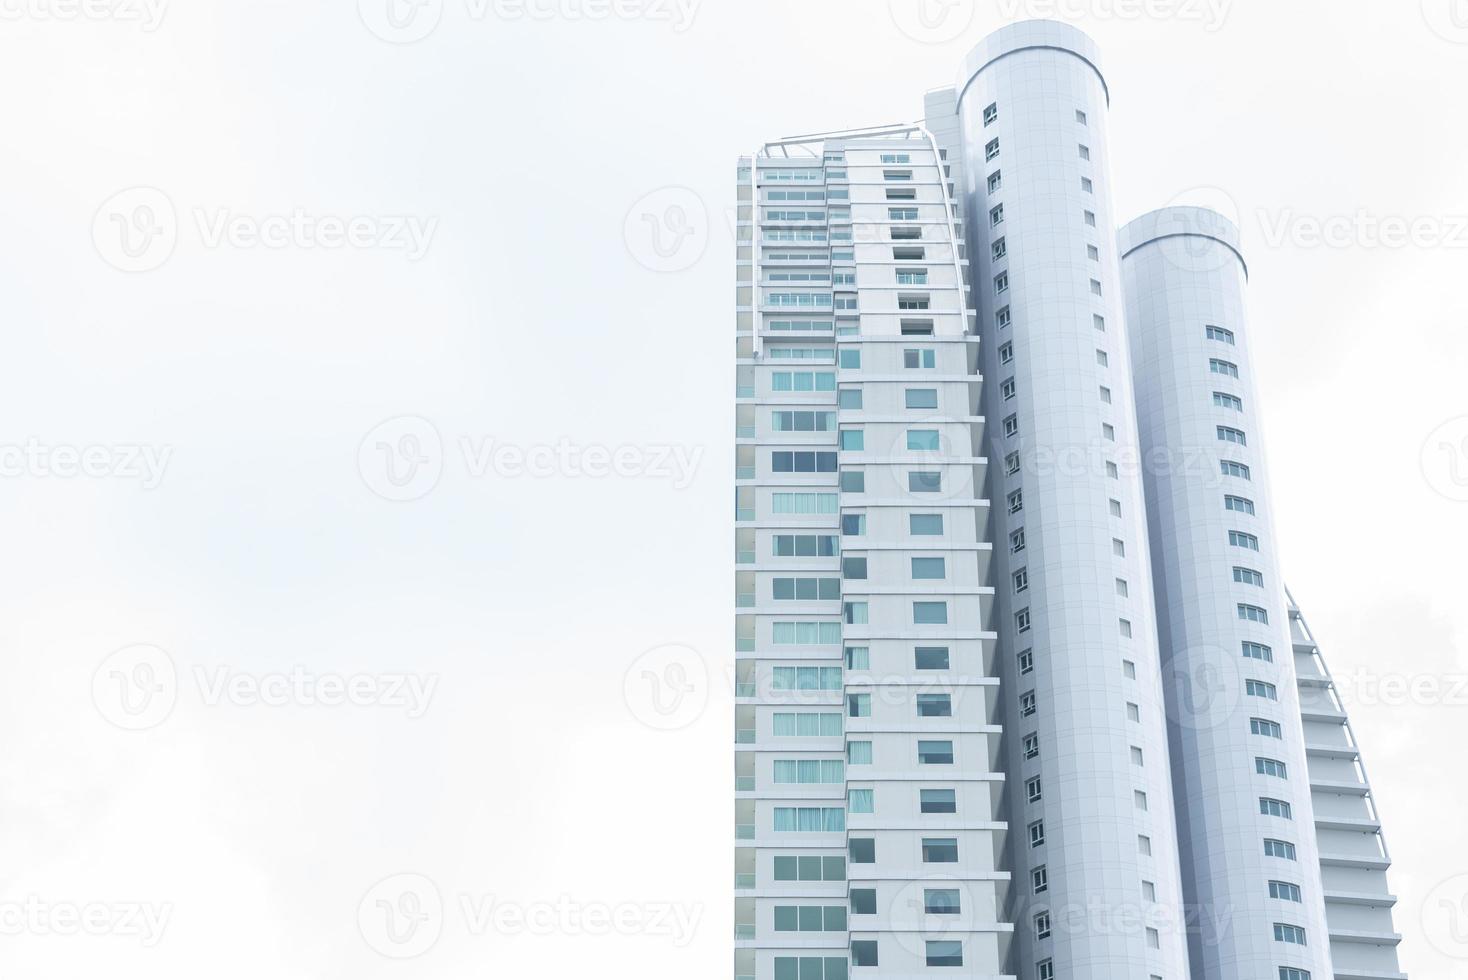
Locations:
(743, 784)
(744, 472)
(745, 691)
(744, 930)
(744, 600)
(744, 831)
(744, 880)
(744, 736)
(744, 557)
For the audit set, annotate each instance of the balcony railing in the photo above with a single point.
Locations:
(743, 432)
(743, 930)
(744, 736)
(744, 831)
(744, 783)
(744, 600)
(745, 690)
(744, 472)
(744, 391)
(744, 880)
(744, 646)
(744, 514)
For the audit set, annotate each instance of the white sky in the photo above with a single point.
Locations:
(533, 318)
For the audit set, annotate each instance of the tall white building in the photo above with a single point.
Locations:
(995, 760)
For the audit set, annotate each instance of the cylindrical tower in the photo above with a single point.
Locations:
(1245, 820)
(1093, 844)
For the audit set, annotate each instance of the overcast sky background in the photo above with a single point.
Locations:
(541, 313)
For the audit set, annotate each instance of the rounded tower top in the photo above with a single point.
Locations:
(1028, 35)
(1181, 222)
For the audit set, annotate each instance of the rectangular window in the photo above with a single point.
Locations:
(859, 705)
(996, 215)
(921, 397)
(1279, 849)
(1258, 651)
(1261, 689)
(922, 440)
(861, 850)
(1253, 614)
(1284, 891)
(925, 524)
(991, 149)
(1027, 704)
(1006, 353)
(1240, 539)
(924, 481)
(1039, 880)
(1270, 767)
(1265, 727)
(854, 568)
(1001, 283)
(1101, 357)
(863, 901)
(1026, 659)
(850, 359)
(1242, 505)
(935, 753)
(812, 868)
(1017, 541)
(996, 181)
(853, 525)
(863, 953)
(931, 658)
(1226, 368)
(1032, 746)
(1222, 399)
(1220, 334)
(1292, 973)
(860, 801)
(928, 568)
(937, 801)
(998, 249)
(807, 724)
(1275, 808)
(919, 358)
(1285, 933)
(1085, 151)
(941, 901)
(1231, 468)
(809, 819)
(930, 613)
(943, 952)
(1022, 620)
(858, 753)
(1229, 434)
(935, 706)
(991, 113)
(940, 850)
(1016, 501)
(1045, 970)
